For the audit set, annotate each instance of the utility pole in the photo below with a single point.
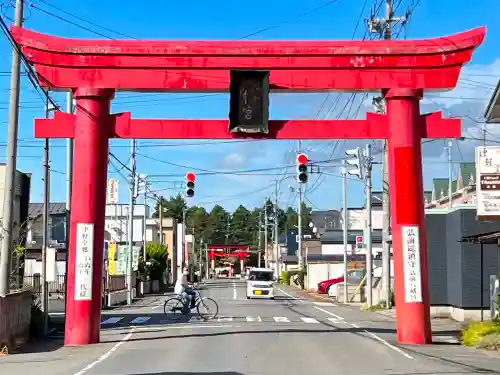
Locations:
(69, 181)
(299, 229)
(266, 223)
(145, 240)
(228, 227)
(450, 177)
(160, 217)
(10, 172)
(259, 255)
(276, 232)
(345, 229)
(384, 27)
(130, 233)
(45, 239)
(369, 253)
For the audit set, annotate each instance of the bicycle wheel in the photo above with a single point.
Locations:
(207, 308)
(173, 308)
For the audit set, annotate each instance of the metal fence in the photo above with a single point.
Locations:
(54, 287)
(58, 287)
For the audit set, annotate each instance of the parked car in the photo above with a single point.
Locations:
(354, 277)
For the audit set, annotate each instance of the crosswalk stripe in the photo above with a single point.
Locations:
(112, 320)
(254, 319)
(225, 319)
(281, 319)
(306, 319)
(336, 320)
(140, 320)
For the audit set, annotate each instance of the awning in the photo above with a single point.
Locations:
(488, 238)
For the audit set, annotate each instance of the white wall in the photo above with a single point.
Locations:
(337, 249)
(356, 219)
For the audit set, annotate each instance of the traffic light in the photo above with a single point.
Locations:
(190, 177)
(355, 161)
(249, 101)
(302, 161)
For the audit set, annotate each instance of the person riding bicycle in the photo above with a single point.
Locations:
(188, 290)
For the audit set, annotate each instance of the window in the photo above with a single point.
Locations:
(260, 276)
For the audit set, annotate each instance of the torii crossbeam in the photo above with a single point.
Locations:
(95, 69)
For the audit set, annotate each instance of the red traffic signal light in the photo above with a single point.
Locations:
(359, 239)
(190, 177)
(302, 159)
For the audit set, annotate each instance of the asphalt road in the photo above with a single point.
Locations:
(288, 335)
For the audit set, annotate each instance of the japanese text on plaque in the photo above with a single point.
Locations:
(84, 257)
(411, 254)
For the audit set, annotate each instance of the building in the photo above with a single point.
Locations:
(22, 187)
(56, 237)
(326, 219)
(463, 188)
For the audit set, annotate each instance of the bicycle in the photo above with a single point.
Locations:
(181, 304)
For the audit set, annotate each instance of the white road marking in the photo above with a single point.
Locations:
(235, 293)
(381, 340)
(329, 313)
(140, 320)
(107, 354)
(326, 304)
(281, 319)
(254, 319)
(306, 319)
(225, 319)
(336, 321)
(190, 326)
(112, 320)
(289, 295)
(378, 338)
(157, 307)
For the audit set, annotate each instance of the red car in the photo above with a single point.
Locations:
(325, 285)
(355, 277)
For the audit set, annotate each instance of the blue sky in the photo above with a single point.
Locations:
(223, 19)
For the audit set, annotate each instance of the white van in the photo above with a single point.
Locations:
(260, 283)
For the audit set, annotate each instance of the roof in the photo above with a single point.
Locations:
(336, 236)
(261, 269)
(492, 113)
(488, 238)
(467, 173)
(440, 188)
(291, 259)
(36, 209)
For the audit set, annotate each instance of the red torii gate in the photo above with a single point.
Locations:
(240, 251)
(95, 69)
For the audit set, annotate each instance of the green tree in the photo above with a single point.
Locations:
(155, 263)
(173, 207)
(241, 228)
(217, 227)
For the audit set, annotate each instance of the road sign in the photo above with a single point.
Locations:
(487, 182)
(112, 193)
(359, 242)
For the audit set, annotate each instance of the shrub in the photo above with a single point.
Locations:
(491, 342)
(476, 331)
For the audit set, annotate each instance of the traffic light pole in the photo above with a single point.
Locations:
(276, 234)
(369, 254)
(299, 225)
(345, 229)
(266, 223)
(130, 234)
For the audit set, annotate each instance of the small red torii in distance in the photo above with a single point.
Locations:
(403, 69)
(222, 250)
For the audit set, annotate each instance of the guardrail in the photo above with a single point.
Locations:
(15, 318)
